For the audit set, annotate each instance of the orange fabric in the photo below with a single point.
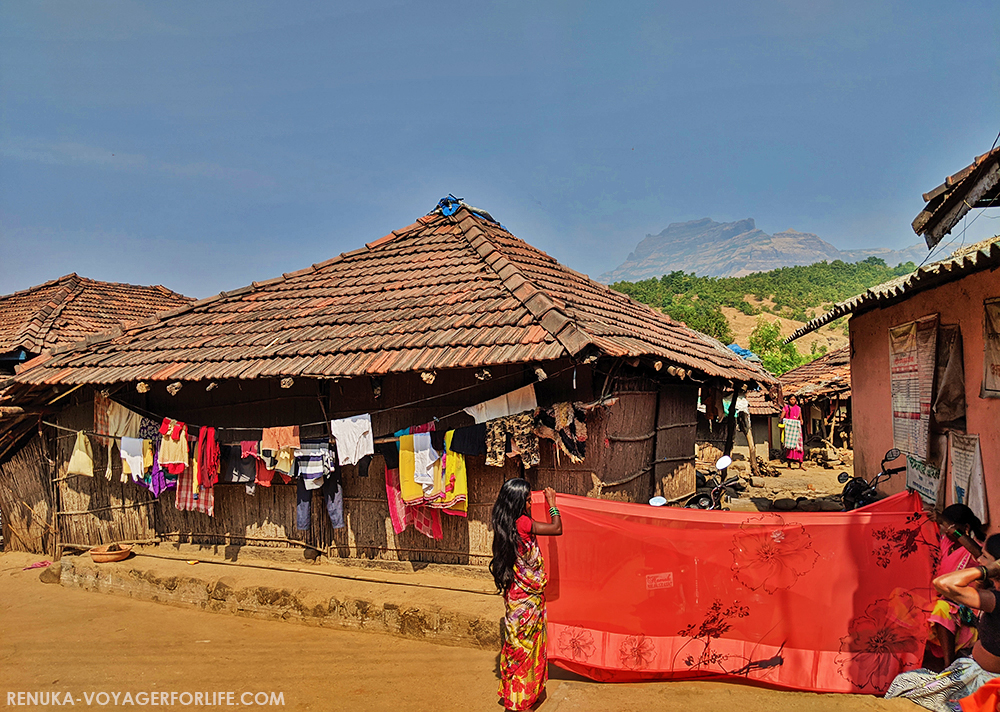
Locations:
(826, 601)
(985, 699)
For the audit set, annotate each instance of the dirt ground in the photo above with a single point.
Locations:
(54, 639)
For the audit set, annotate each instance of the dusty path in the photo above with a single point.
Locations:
(65, 640)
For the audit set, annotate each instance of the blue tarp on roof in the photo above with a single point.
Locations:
(744, 353)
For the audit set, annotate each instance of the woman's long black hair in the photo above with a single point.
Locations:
(510, 505)
(961, 515)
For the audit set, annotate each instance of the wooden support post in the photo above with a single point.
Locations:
(730, 433)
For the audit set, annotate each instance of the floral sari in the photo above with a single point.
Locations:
(954, 557)
(523, 661)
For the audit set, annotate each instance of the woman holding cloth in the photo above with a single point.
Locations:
(791, 426)
(519, 573)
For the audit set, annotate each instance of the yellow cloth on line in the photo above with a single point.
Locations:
(409, 489)
(81, 462)
(456, 482)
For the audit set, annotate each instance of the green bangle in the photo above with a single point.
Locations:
(986, 574)
(553, 512)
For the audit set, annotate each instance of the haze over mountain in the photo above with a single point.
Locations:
(713, 249)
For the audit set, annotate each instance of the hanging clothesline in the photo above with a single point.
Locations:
(325, 423)
(156, 416)
(602, 400)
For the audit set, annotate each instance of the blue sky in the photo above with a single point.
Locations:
(204, 145)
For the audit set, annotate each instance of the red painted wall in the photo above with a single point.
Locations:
(959, 302)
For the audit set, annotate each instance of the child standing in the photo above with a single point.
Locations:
(519, 573)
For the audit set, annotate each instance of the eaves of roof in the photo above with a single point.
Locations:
(975, 186)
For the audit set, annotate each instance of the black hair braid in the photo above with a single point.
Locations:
(961, 515)
(510, 505)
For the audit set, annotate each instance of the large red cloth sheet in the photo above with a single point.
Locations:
(826, 601)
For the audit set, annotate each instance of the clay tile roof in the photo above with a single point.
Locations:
(759, 405)
(71, 308)
(826, 376)
(448, 291)
(975, 186)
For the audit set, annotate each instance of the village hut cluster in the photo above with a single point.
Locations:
(426, 331)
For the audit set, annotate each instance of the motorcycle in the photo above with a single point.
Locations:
(859, 492)
(719, 493)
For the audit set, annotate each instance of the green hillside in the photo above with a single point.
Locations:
(796, 293)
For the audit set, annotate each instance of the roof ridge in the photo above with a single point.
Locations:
(75, 285)
(535, 299)
(32, 333)
(36, 287)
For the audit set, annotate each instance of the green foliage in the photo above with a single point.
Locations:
(777, 357)
(796, 292)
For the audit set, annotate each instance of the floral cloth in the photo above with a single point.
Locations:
(523, 661)
(954, 557)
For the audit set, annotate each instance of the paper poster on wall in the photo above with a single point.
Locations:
(966, 468)
(924, 480)
(991, 349)
(912, 353)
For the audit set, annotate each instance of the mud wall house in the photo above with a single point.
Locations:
(441, 315)
(823, 389)
(925, 347)
(47, 316)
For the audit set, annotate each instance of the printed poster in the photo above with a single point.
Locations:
(991, 355)
(912, 353)
(924, 480)
(966, 467)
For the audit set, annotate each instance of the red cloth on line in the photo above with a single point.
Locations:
(207, 457)
(825, 601)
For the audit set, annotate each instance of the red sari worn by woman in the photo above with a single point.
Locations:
(519, 572)
(523, 662)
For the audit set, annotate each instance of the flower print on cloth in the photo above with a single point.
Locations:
(902, 542)
(769, 554)
(882, 642)
(577, 643)
(636, 652)
(718, 621)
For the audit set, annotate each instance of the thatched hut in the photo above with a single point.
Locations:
(446, 313)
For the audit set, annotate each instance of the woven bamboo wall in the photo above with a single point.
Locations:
(96, 510)
(620, 448)
(26, 501)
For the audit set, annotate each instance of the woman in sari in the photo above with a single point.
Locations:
(791, 426)
(972, 587)
(519, 573)
(953, 627)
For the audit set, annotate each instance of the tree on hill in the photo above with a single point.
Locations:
(777, 356)
(792, 292)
